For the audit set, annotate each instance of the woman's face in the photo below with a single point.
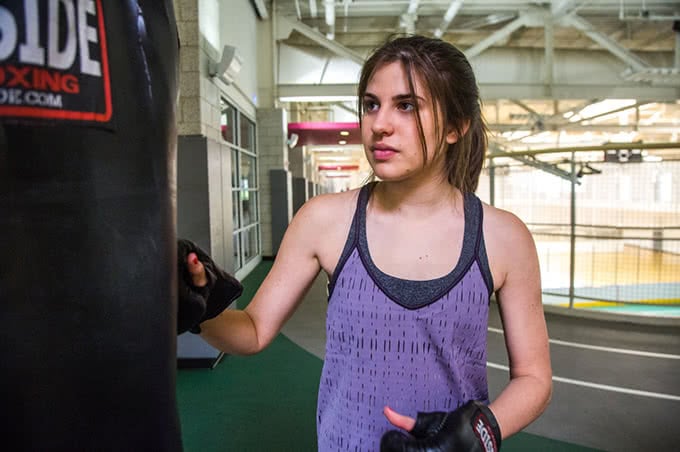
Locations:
(389, 129)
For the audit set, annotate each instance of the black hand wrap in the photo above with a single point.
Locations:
(197, 304)
(471, 428)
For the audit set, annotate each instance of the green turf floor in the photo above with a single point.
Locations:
(267, 402)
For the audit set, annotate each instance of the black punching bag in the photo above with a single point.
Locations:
(87, 225)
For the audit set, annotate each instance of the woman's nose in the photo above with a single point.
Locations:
(382, 123)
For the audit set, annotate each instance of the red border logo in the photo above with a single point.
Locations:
(20, 74)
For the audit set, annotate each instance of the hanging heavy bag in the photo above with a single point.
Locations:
(88, 274)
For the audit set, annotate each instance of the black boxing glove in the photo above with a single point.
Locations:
(198, 304)
(471, 428)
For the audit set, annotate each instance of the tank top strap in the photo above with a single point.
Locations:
(353, 235)
(474, 219)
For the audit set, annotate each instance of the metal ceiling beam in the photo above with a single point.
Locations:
(596, 147)
(524, 106)
(320, 91)
(491, 91)
(346, 108)
(549, 51)
(495, 37)
(605, 42)
(561, 7)
(606, 113)
(286, 26)
(530, 160)
(676, 55)
(665, 128)
(563, 125)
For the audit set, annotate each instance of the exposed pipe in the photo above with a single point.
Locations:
(448, 17)
(329, 8)
(298, 13)
(408, 19)
(413, 7)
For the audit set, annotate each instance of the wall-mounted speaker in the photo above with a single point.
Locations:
(229, 65)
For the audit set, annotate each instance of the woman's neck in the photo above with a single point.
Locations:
(413, 199)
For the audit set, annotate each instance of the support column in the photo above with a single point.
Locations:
(276, 211)
(299, 173)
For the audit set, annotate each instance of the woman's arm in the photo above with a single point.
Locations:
(514, 262)
(249, 331)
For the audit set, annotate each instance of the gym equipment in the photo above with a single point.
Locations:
(470, 428)
(198, 304)
(88, 274)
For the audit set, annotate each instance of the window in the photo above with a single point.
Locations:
(239, 132)
(228, 122)
(247, 133)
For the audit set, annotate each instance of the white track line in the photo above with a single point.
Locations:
(588, 384)
(604, 349)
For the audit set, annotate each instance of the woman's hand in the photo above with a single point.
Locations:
(204, 289)
(471, 428)
(196, 270)
(399, 420)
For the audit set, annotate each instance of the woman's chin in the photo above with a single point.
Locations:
(389, 176)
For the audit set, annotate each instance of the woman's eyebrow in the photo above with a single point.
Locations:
(396, 97)
(407, 96)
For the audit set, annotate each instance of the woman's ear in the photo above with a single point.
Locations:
(452, 136)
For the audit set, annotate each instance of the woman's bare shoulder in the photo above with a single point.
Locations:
(507, 239)
(333, 201)
(500, 221)
(324, 222)
(326, 213)
(329, 208)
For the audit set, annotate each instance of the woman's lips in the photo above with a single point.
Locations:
(383, 152)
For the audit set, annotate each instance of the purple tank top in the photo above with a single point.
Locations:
(412, 345)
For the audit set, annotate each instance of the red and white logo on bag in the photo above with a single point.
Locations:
(53, 60)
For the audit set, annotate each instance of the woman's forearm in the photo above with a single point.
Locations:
(521, 402)
(232, 332)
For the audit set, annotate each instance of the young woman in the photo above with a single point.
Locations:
(412, 262)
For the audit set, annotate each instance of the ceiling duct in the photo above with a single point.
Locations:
(260, 9)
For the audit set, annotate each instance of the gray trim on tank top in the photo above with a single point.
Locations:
(417, 294)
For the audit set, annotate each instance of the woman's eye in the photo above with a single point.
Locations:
(370, 105)
(406, 106)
